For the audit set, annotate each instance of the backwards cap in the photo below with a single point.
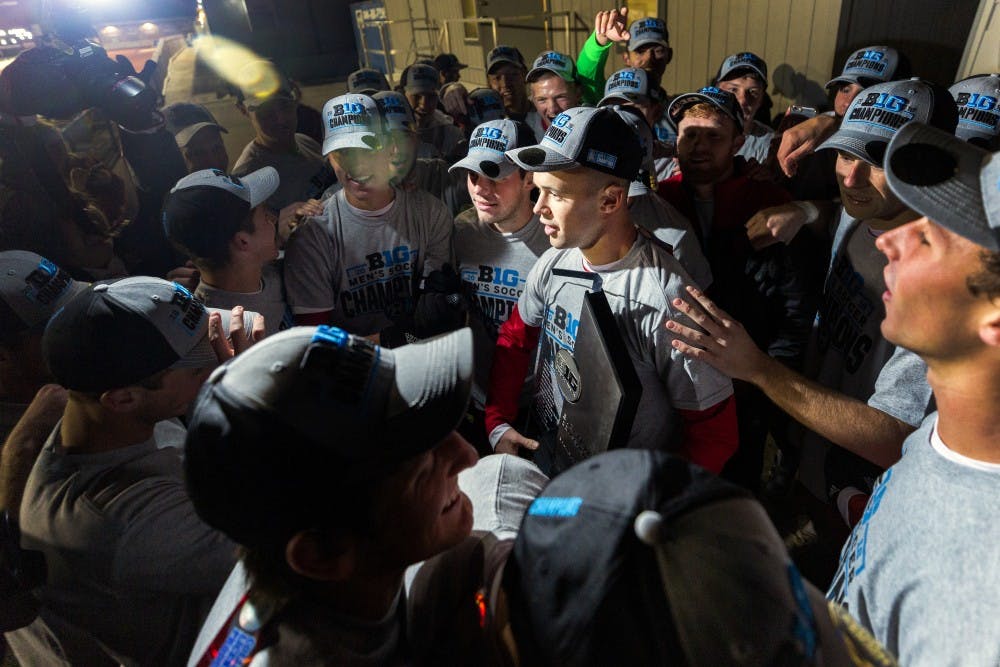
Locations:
(595, 138)
(205, 208)
(954, 183)
(351, 121)
(878, 112)
(310, 413)
(637, 557)
(488, 144)
(32, 289)
(978, 100)
(116, 334)
(871, 65)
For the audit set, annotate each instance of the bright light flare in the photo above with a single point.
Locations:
(239, 65)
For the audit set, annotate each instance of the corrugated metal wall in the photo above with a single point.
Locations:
(797, 38)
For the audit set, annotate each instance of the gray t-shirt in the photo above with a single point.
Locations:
(130, 564)
(640, 289)
(269, 301)
(294, 169)
(921, 569)
(664, 133)
(757, 143)
(656, 215)
(847, 351)
(362, 267)
(494, 267)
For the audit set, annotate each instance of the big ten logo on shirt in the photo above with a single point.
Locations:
(883, 110)
(559, 129)
(854, 555)
(867, 61)
(978, 109)
(46, 283)
(348, 114)
(382, 282)
(489, 138)
(562, 325)
(494, 290)
(844, 313)
(188, 311)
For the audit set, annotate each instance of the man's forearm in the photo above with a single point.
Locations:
(844, 421)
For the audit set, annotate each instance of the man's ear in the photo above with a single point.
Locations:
(626, 59)
(528, 182)
(613, 197)
(240, 242)
(320, 557)
(125, 399)
(670, 55)
(989, 328)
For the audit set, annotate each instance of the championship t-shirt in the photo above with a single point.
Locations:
(365, 267)
(640, 289)
(666, 223)
(494, 267)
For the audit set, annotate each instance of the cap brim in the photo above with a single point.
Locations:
(541, 158)
(202, 355)
(917, 159)
(481, 164)
(261, 184)
(433, 379)
(622, 98)
(637, 189)
(502, 61)
(841, 80)
(859, 144)
(632, 46)
(186, 134)
(537, 72)
(365, 139)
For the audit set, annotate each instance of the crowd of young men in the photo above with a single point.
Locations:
(328, 436)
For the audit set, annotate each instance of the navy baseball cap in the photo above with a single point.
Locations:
(739, 64)
(723, 100)
(596, 138)
(367, 81)
(636, 557)
(309, 414)
(504, 54)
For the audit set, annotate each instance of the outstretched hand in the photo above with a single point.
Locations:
(611, 26)
(723, 343)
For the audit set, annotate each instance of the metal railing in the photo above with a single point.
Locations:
(571, 24)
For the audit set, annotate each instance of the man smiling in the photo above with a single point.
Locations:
(583, 167)
(553, 88)
(359, 263)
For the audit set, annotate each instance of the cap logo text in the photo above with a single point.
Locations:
(46, 283)
(884, 110)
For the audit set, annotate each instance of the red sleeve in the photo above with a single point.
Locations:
(710, 435)
(313, 319)
(511, 360)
